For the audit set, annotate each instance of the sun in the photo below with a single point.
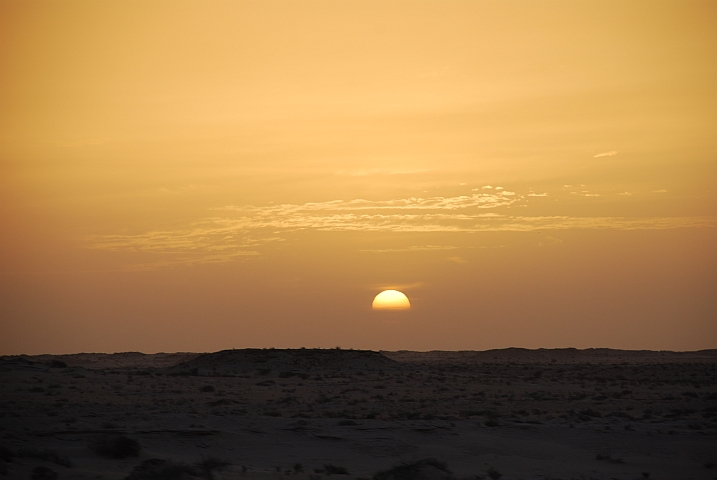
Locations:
(391, 300)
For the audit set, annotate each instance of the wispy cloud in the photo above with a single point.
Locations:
(414, 248)
(459, 260)
(369, 172)
(476, 200)
(605, 154)
(241, 231)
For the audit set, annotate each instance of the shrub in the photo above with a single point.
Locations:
(6, 454)
(207, 466)
(415, 470)
(334, 470)
(115, 446)
(494, 474)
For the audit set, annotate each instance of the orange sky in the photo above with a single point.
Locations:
(193, 176)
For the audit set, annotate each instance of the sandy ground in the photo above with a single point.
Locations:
(511, 414)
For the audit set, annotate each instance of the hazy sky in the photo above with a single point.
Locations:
(193, 176)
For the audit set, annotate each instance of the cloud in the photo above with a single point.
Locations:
(223, 239)
(459, 260)
(415, 248)
(605, 154)
(366, 173)
(244, 231)
(476, 200)
(659, 191)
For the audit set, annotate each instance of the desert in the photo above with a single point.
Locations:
(350, 414)
(358, 240)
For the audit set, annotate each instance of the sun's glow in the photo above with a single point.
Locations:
(391, 300)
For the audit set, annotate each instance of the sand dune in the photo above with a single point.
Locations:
(287, 362)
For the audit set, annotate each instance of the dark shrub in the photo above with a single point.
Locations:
(207, 388)
(494, 474)
(58, 364)
(428, 468)
(334, 470)
(115, 446)
(158, 469)
(207, 466)
(43, 473)
(6, 454)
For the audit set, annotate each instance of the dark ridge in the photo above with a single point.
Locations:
(554, 355)
(284, 362)
(122, 360)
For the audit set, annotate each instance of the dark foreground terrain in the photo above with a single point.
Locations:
(346, 414)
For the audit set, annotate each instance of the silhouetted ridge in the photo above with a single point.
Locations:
(550, 355)
(287, 362)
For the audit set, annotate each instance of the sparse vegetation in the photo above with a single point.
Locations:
(435, 404)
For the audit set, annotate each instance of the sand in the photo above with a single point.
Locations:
(310, 414)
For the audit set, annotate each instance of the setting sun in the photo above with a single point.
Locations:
(391, 300)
